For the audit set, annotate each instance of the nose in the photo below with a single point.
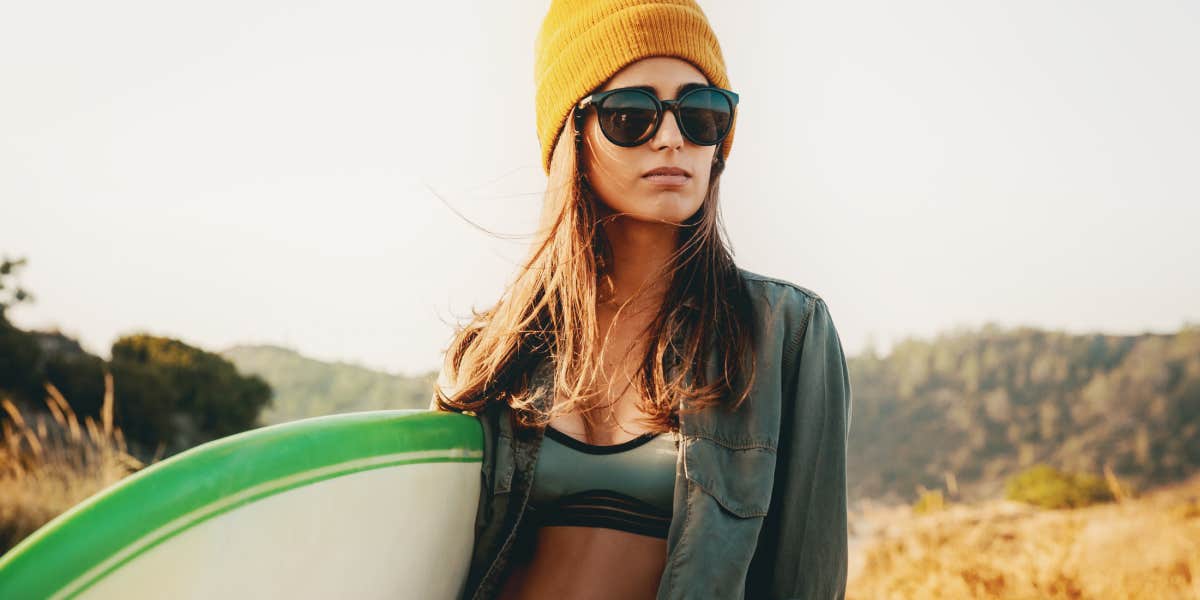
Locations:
(668, 134)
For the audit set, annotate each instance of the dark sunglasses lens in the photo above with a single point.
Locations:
(627, 117)
(706, 116)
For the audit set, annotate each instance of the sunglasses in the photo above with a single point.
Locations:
(631, 116)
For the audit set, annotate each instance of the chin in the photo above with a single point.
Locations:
(671, 214)
(672, 206)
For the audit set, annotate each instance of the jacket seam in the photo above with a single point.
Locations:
(734, 446)
(683, 532)
(821, 450)
(794, 344)
(750, 275)
(502, 552)
(502, 482)
(811, 298)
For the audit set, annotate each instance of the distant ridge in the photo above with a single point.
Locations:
(964, 410)
(306, 387)
(972, 407)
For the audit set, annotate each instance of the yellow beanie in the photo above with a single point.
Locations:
(583, 43)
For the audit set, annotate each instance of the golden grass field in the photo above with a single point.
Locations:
(1137, 548)
(49, 465)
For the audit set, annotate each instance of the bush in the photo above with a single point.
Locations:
(930, 501)
(1045, 486)
(180, 396)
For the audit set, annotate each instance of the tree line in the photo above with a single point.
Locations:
(978, 406)
(169, 395)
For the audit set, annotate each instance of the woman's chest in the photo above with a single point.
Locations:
(723, 479)
(610, 405)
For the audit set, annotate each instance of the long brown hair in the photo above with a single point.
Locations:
(549, 311)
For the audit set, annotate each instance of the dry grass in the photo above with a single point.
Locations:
(1136, 548)
(53, 461)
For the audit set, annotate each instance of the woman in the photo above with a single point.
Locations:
(659, 423)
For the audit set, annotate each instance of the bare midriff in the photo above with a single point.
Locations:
(586, 563)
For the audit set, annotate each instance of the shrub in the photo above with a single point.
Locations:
(930, 501)
(1045, 486)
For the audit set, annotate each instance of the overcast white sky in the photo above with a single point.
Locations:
(256, 171)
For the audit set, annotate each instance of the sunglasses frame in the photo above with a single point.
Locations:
(661, 106)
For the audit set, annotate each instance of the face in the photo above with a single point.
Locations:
(618, 174)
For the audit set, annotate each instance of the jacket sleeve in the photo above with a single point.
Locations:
(803, 548)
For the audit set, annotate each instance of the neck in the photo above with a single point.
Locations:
(641, 251)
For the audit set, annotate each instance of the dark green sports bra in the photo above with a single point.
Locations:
(628, 486)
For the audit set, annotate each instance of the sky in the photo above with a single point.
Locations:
(352, 178)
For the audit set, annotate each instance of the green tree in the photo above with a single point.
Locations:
(19, 354)
(180, 395)
(168, 393)
(10, 293)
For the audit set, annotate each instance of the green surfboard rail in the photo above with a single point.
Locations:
(252, 464)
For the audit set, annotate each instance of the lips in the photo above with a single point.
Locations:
(667, 171)
(667, 177)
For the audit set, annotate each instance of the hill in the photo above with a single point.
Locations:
(960, 412)
(305, 387)
(971, 407)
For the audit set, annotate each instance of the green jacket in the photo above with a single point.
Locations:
(760, 493)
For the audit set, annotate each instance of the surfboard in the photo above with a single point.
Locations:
(377, 504)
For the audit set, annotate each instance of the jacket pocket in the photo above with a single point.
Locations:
(739, 479)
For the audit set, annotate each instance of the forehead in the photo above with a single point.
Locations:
(665, 74)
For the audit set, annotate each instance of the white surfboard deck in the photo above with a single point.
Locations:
(377, 504)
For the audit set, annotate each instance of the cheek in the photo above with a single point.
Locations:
(609, 170)
(701, 184)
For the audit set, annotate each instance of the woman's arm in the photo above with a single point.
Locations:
(803, 548)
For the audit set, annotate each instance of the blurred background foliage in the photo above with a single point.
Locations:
(986, 404)
(170, 395)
